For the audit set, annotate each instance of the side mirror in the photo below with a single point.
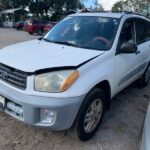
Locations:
(128, 47)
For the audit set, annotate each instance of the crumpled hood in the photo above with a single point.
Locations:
(36, 55)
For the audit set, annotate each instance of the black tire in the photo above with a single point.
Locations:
(79, 125)
(144, 80)
(31, 33)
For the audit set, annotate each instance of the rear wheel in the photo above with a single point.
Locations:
(144, 80)
(90, 115)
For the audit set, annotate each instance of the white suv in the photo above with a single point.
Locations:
(68, 77)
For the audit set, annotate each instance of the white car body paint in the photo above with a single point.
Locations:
(119, 70)
(44, 55)
(36, 55)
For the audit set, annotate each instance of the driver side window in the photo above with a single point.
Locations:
(127, 33)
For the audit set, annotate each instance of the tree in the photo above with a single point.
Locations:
(5, 3)
(59, 8)
(82, 4)
(38, 7)
(56, 8)
(14, 3)
(72, 5)
(100, 7)
(119, 6)
(140, 6)
(1, 6)
(96, 6)
(95, 2)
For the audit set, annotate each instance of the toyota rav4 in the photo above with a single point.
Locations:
(68, 77)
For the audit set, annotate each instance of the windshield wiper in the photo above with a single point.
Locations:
(58, 42)
(66, 43)
(70, 44)
(62, 42)
(45, 39)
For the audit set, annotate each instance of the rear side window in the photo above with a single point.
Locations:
(143, 31)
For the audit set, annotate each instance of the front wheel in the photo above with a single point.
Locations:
(90, 115)
(144, 80)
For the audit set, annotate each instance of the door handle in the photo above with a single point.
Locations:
(137, 52)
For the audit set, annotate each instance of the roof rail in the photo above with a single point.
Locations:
(86, 10)
(134, 13)
(96, 11)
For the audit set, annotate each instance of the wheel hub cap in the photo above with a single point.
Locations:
(93, 115)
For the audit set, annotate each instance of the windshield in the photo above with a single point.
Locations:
(87, 32)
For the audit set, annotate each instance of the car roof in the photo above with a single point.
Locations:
(101, 14)
(108, 14)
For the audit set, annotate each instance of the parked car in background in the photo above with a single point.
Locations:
(49, 26)
(146, 132)
(68, 77)
(35, 26)
(20, 25)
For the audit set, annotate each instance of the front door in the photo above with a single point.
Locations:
(126, 63)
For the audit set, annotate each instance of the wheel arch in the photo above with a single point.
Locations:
(103, 85)
(106, 88)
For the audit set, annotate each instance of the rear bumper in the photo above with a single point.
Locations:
(66, 108)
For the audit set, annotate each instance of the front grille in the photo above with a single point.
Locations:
(13, 76)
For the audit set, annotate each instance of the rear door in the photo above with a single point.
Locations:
(143, 42)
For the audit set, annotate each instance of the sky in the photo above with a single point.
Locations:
(107, 4)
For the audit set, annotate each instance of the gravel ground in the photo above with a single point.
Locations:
(119, 131)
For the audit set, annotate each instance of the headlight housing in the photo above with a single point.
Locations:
(55, 82)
